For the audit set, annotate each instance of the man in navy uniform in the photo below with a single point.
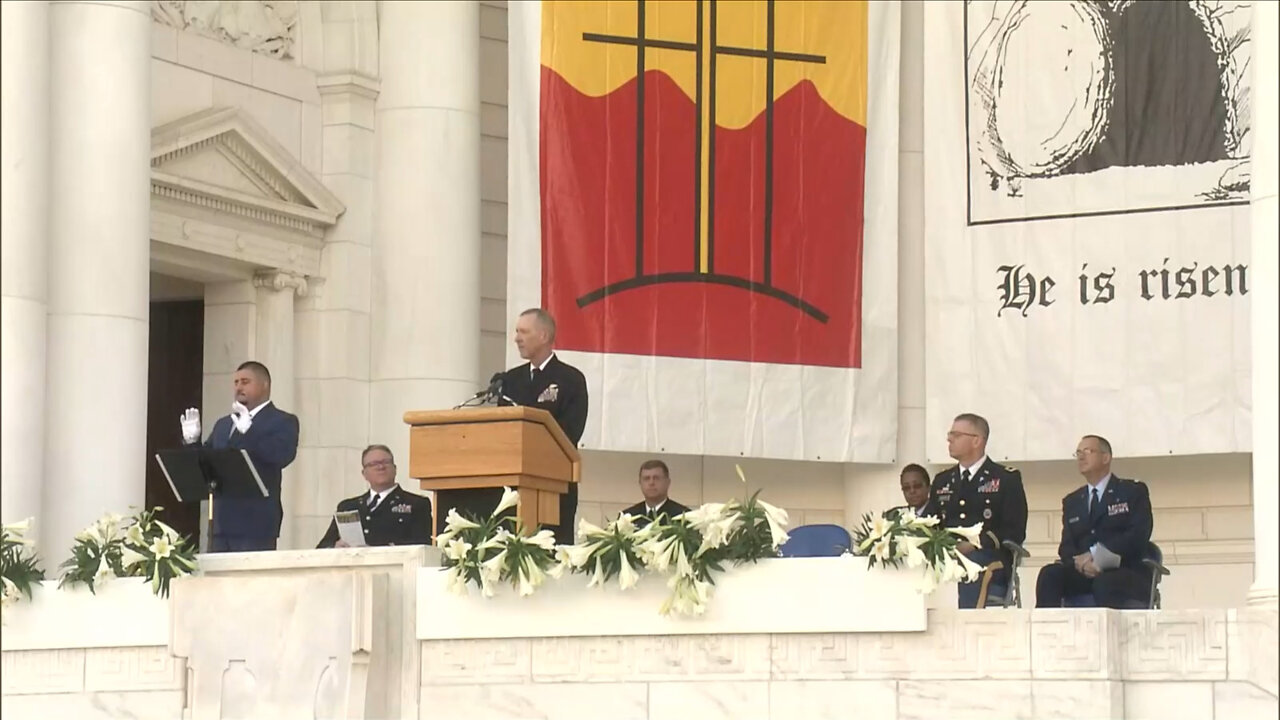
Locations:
(655, 486)
(1106, 517)
(270, 435)
(547, 383)
(979, 490)
(390, 515)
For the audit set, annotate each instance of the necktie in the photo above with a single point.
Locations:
(964, 476)
(1095, 501)
(373, 502)
(534, 373)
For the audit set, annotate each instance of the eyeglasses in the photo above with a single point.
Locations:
(1085, 452)
(378, 464)
(954, 434)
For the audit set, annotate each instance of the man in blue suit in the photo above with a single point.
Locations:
(270, 435)
(1107, 517)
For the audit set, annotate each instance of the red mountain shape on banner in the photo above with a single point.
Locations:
(809, 313)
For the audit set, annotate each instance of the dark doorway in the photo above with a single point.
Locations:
(1168, 106)
(175, 381)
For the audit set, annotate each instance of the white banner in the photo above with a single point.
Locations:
(1087, 235)
(714, 265)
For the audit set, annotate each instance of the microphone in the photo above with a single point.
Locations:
(493, 391)
(495, 387)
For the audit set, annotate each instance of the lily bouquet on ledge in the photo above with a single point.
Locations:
(19, 567)
(139, 546)
(900, 537)
(486, 553)
(606, 553)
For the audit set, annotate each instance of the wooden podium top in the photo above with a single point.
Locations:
(491, 414)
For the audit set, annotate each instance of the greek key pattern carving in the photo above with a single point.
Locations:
(466, 662)
(37, 672)
(674, 657)
(1075, 644)
(1174, 645)
(140, 668)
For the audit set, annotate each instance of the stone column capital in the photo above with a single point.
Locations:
(281, 280)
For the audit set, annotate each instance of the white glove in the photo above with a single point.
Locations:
(190, 421)
(240, 417)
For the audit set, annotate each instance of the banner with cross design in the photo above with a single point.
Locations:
(704, 195)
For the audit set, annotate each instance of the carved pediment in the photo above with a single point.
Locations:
(221, 160)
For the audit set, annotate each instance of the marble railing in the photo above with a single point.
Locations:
(369, 634)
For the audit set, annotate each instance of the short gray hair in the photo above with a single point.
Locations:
(544, 318)
(978, 422)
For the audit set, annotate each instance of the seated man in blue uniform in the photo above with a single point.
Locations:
(390, 514)
(1106, 517)
(270, 435)
(655, 486)
(979, 490)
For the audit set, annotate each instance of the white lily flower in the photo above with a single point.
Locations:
(130, 557)
(705, 514)
(625, 524)
(544, 539)
(683, 567)
(456, 522)
(920, 521)
(717, 533)
(627, 575)
(104, 571)
(10, 589)
(971, 534)
(879, 526)
(597, 578)
(741, 475)
(970, 569)
(134, 535)
(777, 519)
(657, 552)
(928, 581)
(555, 572)
(951, 569)
(588, 529)
(456, 549)
(456, 580)
(909, 545)
(161, 548)
(18, 530)
(881, 550)
(510, 498)
(530, 576)
(576, 555)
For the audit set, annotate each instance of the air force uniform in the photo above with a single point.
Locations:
(992, 495)
(398, 518)
(1121, 520)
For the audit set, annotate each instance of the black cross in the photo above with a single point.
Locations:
(771, 56)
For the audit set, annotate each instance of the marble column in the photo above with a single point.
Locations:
(426, 241)
(99, 256)
(1264, 296)
(24, 289)
(273, 347)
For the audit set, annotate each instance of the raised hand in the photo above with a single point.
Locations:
(240, 417)
(190, 421)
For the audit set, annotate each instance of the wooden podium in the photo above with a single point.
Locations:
(474, 449)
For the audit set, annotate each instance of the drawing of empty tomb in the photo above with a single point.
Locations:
(1106, 107)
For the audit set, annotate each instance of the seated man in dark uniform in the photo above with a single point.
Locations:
(980, 491)
(655, 483)
(389, 514)
(1107, 517)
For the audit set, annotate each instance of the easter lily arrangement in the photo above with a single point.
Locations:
(137, 546)
(19, 566)
(690, 549)
(900, 537)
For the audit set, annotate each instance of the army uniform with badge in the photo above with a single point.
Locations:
(993, 496)
(400, 518)
(1122, 522)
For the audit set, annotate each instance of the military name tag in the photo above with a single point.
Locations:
(1117, 509)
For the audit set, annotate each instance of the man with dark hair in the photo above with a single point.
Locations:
(270, 435)
(1108, 516)
(546, 383)
(390, 514)
(914, 481)
(655, 484)
(980, 491)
